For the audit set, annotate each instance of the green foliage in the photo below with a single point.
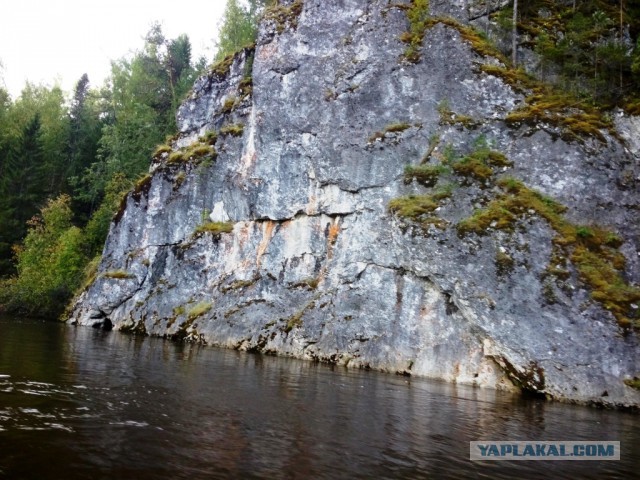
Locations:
(503, 212)
(176, 157)
(284, 16)
(584, 232)
(138, 109)
(448, 117)
(417, 15)
(210, 137)
(142, 186)
(426, 175)
(97, 228)
(420, 208)
(90, 272)
(91, 149)
(310, 283)
(449, 154)
(238, 30)
(50, 263)
(583, 46)
(215, 228)
(246, 85)
(294, 321)
(518, 79)
(162, 149)
(477, 40)
(118, 274)
(235, 130)
(198, 310)
(470, 166)
(592, 250)
(222, 66)
(478, 163)
(413, 206)
(34, 134)
(198, 151)
(85, 130)
(229, 104)
(179, 180)
(398, 127)
(576, 119)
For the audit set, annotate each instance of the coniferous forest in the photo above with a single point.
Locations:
(67, 158)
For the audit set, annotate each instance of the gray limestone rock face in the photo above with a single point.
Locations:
(311, 262)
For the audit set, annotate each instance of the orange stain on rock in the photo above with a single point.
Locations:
(267, 234)
(334, 230)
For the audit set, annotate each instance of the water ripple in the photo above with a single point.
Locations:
(207, 413)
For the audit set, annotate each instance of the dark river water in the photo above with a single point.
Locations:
(82, 403)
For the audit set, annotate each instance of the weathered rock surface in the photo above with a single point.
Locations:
(317, 267)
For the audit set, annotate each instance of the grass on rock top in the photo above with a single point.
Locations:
(545, 104)
(593, 250)
(420, 208)
(215, 228)
(391, 128)
(117, 274)
(284, 16)
(235, 130)
(196, 152)
(426, 175)
(198, 310)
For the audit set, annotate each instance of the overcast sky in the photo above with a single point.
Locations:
(47, 40)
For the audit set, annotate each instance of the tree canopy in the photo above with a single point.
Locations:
(239, 25)
(73, 159)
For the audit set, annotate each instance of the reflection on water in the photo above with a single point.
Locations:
(82, 403)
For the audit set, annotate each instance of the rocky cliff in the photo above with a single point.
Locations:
(372, 186)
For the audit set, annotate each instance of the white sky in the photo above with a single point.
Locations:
(45, 41)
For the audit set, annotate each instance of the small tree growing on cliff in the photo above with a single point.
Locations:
(237, 31)
(239, 25)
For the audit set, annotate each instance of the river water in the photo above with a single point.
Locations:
(82, 403)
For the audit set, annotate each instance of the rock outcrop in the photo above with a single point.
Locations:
(268, 227)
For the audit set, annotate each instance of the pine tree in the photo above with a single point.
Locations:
(238, 28)
(29, 182)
